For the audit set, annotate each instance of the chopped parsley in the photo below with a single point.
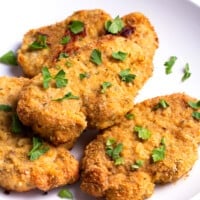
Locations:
(196, 115)
(169, 64)
(5, 108)
(9, 58)
(187, 72)
(129, 116)
(38, 149)
(39, 43)
(105, 86)
(63, 55)
(76, 27)
(16, 125)
(143, 133)
(65, 194)
(119, 55)
(65, 40)
(114, 26)
(158, 154)
(161, 104)
(126, 76)
(59, 78)
(69, 95)
(68, 64)
(95, 57)
(137, 164)
(83, 75)
(194, 105)
(113, 150)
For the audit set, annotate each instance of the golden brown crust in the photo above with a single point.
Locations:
(55, 168)
(33, 61)
(102, 178)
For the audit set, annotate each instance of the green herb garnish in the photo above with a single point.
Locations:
(119, 55)
(113, 150)
(95, 57)
(126, 76)
(68, 64)
(63, 55)
(69, 95)
(129, 116)
(105, 86)
(137, 164)
(76, 27)
(158, 154)
(65, 40)
(162, 104)
(114, 26)
(187, 72)
(5, 108)
(194, 105)
(169, 64)
(196, 115)
(38, 149)
(83, 75)
(65, 193)
(59, 78)
(9, 58)
(39, 43)
(143, 133)
(16, 126)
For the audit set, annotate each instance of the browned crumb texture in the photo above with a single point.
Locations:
(33, 61)
(102, 178)
(55, 168)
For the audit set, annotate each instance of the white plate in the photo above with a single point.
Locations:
(177, 25)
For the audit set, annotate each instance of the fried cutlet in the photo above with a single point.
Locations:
(18, 172)
(64, 120)
(43, 46)
(155, 143)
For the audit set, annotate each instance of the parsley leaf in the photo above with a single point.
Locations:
(187, 72)
(39, 43)
(114, 26)
(194, 105)
(158, 154)
(65, 193)
(60, 79)
(105, 86)
(63, 55)
(9, 58)
(137, 164)
(16, 126)
(65, 40)
(6, 108)
(38, 149)
(69, 95)
(143, 133)
(83, 75)
(169, 64)
(114, 150)
(119, 55)
(95, 57)
(129, 116)
(76, 27)
(161, 104)
(46, 77)
(196, 115)
(126, 76)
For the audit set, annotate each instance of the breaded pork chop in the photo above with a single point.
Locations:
(51, 41)
(54, 168)
(104, 91)
(155, 143)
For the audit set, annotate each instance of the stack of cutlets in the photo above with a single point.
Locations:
(84, 72)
